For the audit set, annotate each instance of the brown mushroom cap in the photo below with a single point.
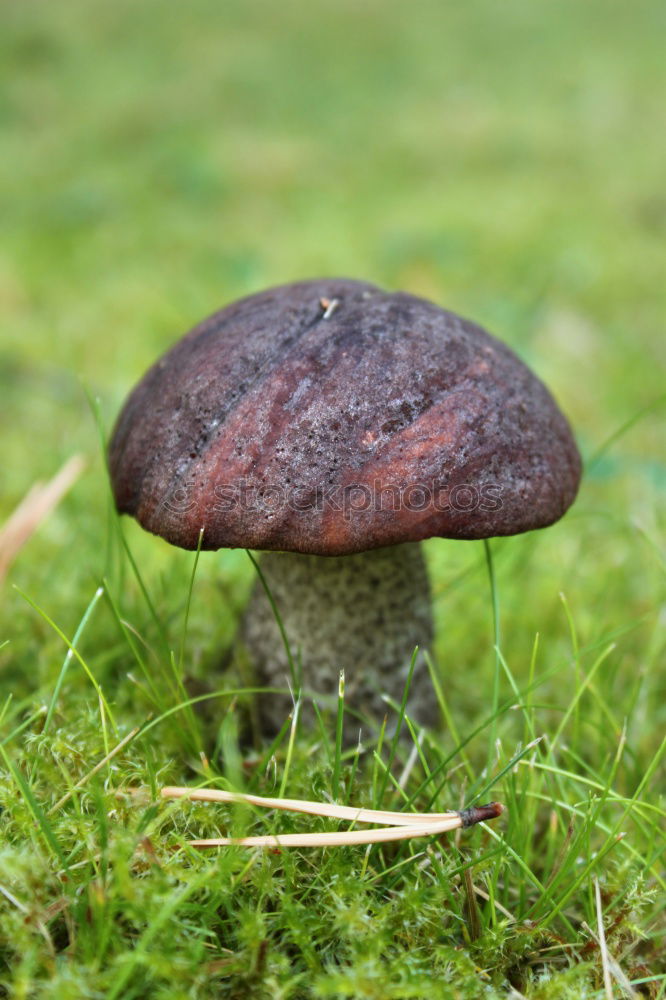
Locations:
(331, 417)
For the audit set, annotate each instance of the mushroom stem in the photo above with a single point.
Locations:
(362, 613)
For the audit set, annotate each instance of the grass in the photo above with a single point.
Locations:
(505, 160)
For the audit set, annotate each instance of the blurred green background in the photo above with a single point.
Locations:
(159, 159)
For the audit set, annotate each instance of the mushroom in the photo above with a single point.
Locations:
(334, 426)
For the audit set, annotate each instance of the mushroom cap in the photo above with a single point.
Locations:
(331, 417)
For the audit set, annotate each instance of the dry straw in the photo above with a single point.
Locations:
(398, 826)
(35, 507)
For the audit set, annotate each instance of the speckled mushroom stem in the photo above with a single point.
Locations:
(362, 613)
